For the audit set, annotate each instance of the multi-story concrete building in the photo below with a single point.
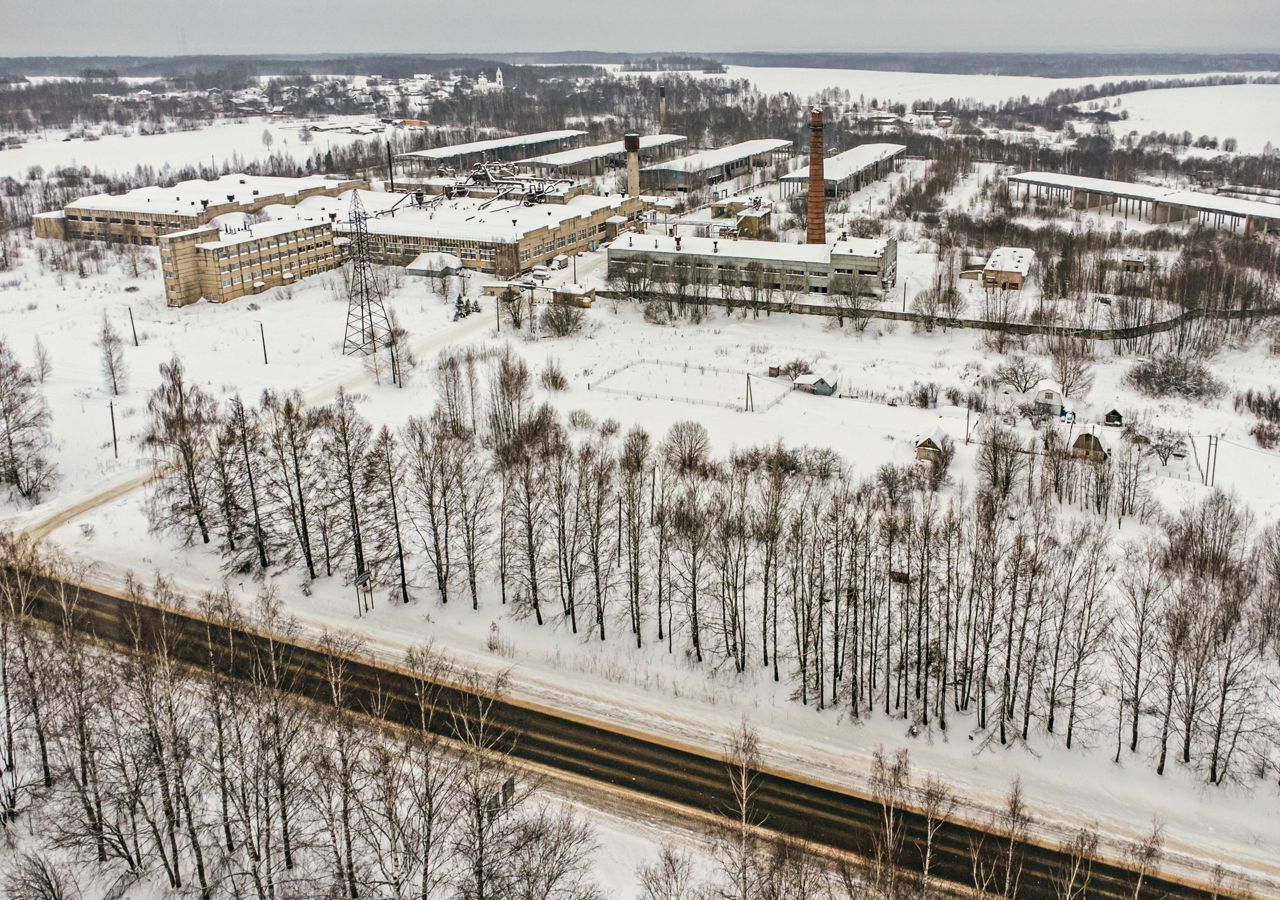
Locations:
(861, 264)
(141, 216)
(207, 262)
(502, 238)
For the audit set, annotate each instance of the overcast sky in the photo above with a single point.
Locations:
(174, 27)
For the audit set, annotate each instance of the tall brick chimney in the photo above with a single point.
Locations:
(662, 108)
(817, 211)
(631, 142)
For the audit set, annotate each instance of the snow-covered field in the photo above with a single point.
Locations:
(1250, 113)
(903, 87)
(692, 382)
(224, 141)
(220, 346)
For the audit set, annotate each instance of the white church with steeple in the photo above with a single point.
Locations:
(484, 84)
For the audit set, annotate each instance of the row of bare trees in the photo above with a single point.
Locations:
(222, 783)
(882, 596)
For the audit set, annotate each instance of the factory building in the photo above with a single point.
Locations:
(868, 264)
(689, 173)
(598, 159)
(141, 216)
(1007, 268)
(850, 171)
(210, 263)
(498, 237)
(506, 149)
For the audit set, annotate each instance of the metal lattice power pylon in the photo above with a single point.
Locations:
(368, 328)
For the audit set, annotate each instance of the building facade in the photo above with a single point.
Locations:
(142, 216)
(861, 265)
(207, 263)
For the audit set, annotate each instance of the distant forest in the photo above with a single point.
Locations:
(1050, 65)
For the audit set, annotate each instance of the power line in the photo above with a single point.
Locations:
(368, 327)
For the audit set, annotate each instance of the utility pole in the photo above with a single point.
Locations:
(133, 327)
(262, 332)
(115, 441)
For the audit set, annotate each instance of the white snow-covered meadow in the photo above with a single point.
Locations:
(1250, 113)
(225, 142)
(901, 87)
(221, 348)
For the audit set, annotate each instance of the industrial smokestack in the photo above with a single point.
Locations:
(817, 232)
(631, 141)
(662, 108)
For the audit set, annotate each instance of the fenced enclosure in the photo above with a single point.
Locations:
(703, 385)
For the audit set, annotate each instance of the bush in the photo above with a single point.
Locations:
(656, 313)
(553, 377)
(795, 368)
(581, 420)
(924, 396)
(563, 320)
(1263, 405)
(1267, 434)
(1171, 375)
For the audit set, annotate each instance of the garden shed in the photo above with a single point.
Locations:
(815, 384)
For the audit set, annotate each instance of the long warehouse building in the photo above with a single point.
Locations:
(687, 173)
(597, 159)
(866, 264)
(504, 149)
(849, 171)
(1152, 203)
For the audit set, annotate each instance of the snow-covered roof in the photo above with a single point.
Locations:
(713, 159)
(935, 436)
(1128, 189)
(1198, 200)
(187, 197)
(1101, 437)
(517, 140)
(771, 251)
(1047, 384)
(810, 378)
(1234, 206)
(434, 262)
(1010, 259)
(464, 218)
(578, 155)
(259, 230)
(849, 163)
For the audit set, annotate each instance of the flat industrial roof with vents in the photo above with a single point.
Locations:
(578, 155)
(464, 219)
(486, 146)
(189, 197)
(707, 160)
(851, 162)
(1010, 259)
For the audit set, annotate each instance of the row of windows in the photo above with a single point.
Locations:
(254, 263)
(273, 243)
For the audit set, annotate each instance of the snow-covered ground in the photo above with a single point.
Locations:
(1250, 113)
(234, 142)
(221, 348)
(902, 87)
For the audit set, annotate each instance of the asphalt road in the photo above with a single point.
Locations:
(589, 751)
